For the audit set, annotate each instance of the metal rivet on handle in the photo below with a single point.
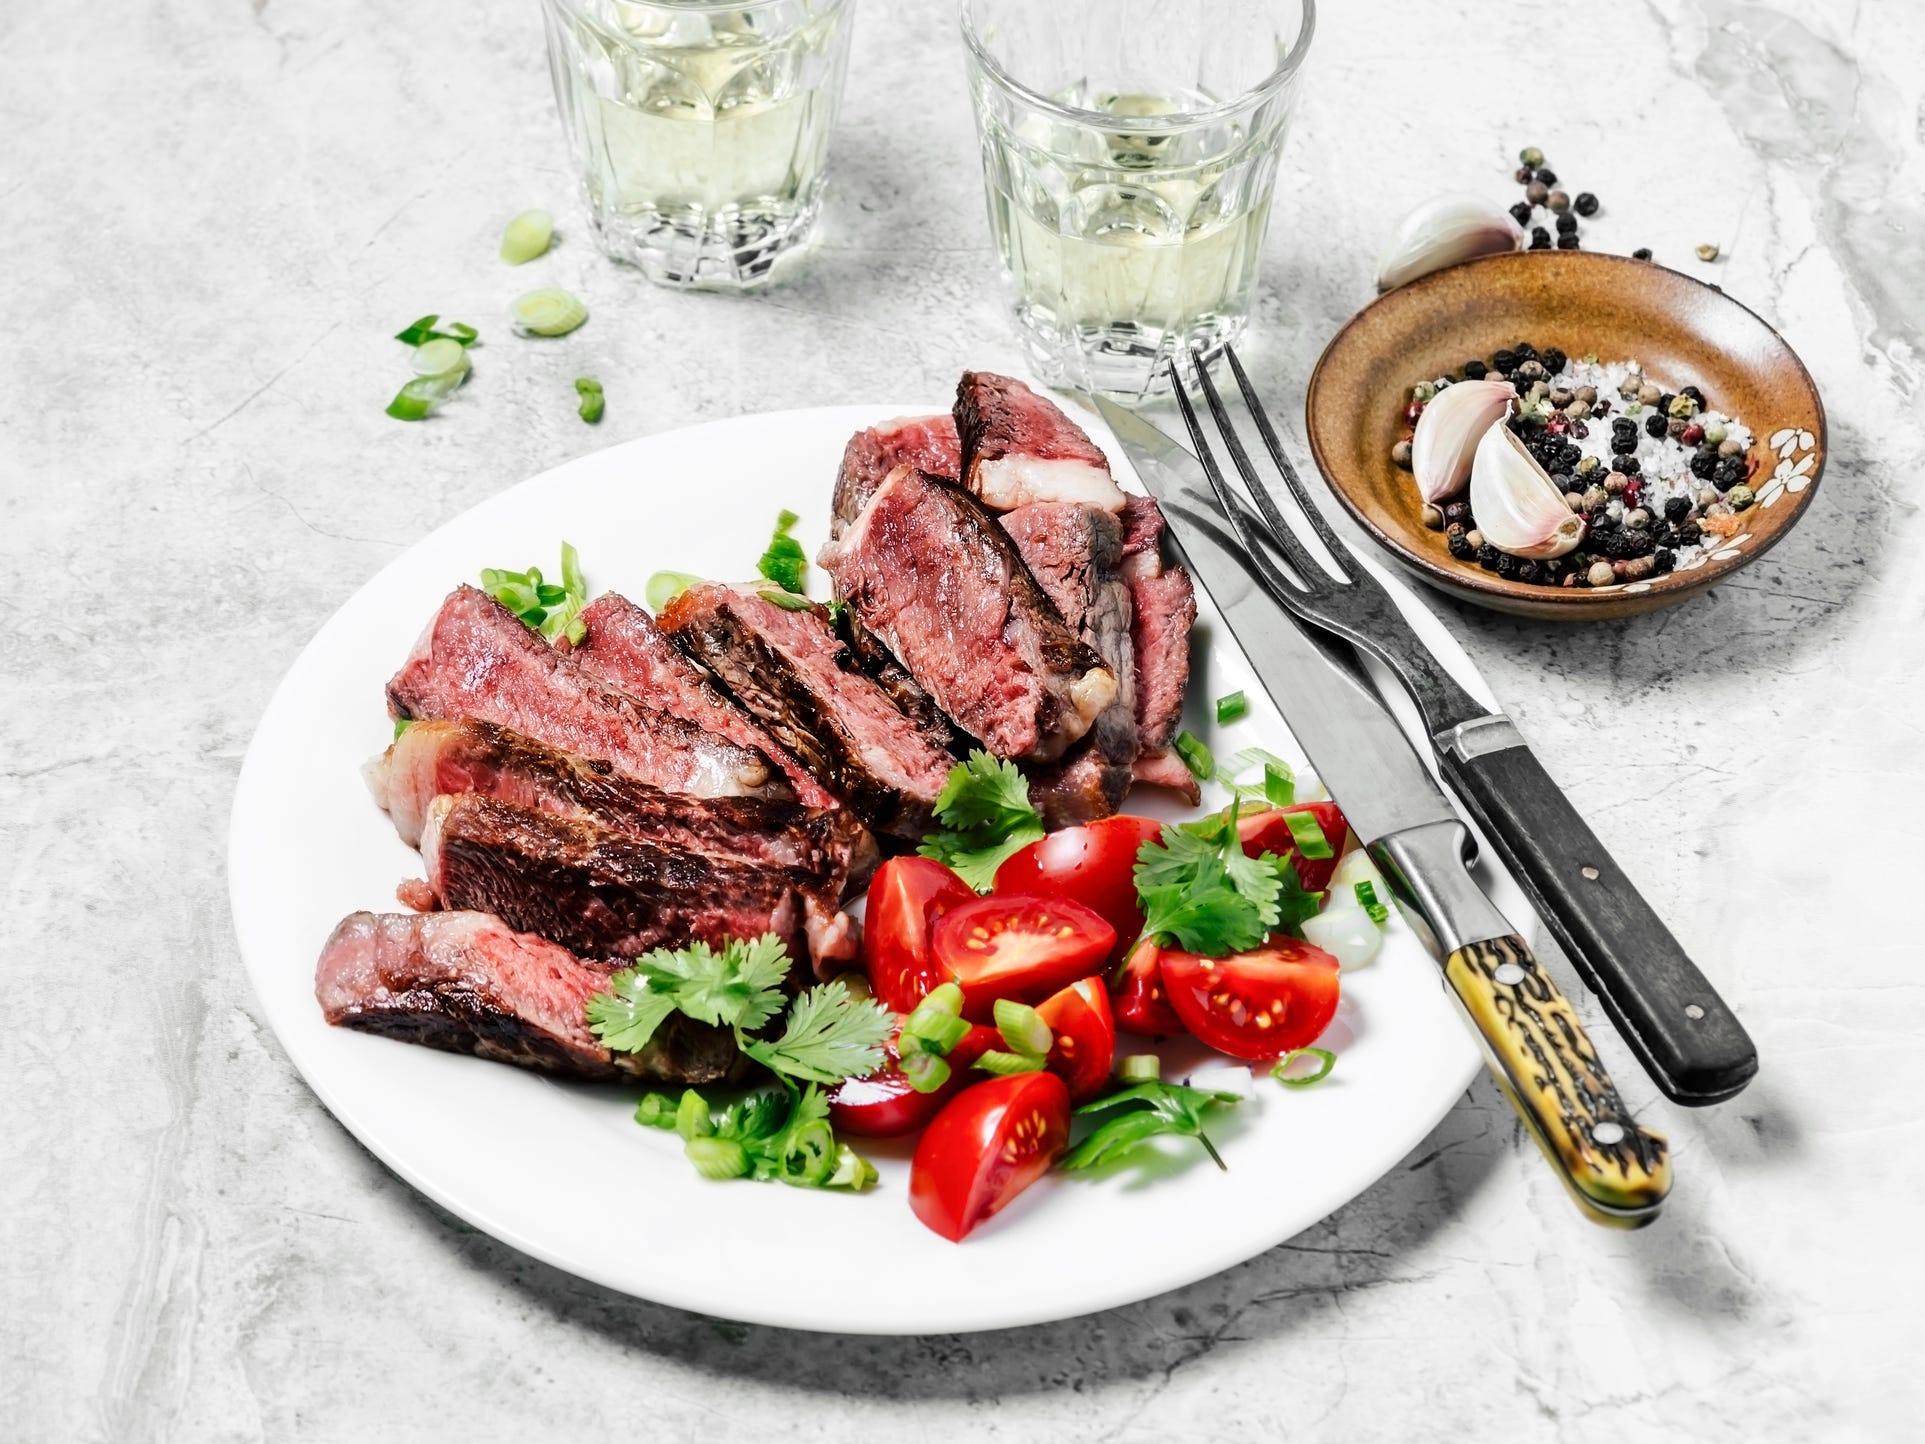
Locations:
(1693, 1011)
(1509, 974)
(1590, 873)
(1608, 1134)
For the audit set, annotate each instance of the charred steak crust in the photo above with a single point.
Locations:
(928, 443)
(433, 759)
(789, 670)
(623, 645)
(998, 416)
(598, 892)
(465, 982)
(476, 659)
(930, 571)
(879, 664)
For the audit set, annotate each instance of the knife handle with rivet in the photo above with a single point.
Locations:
(1618, 1172)
(1666, 1010)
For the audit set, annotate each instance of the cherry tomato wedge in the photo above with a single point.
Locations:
(1094, 865)
(905, 899)
(1142, 1004)
(989, 1143)
(1267, 831)
(883, 1105)
(1254, 1005)
(1018, 947)
(1085, 1036)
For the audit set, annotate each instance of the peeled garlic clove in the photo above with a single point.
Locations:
(1452, 423)
(1441, 233)
(1518, 507)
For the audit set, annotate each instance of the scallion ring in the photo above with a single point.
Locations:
(1000, 1063)
(1023, 1028)
(1326, 1060)
(665, 587)
(1231, 706)
(1139, 1068)
(550, 311)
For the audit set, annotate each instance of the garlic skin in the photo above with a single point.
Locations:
(1518, 507)
(1453, 422)
(1442, 232)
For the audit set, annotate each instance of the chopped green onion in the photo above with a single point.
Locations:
(572, 580)
(852, 1171)
(1279, 784)
(460, 331)
(925, 1071)
(1307, 833)
(1326, 1060)
(1000, 1063)
(1023, 1028)
(402, 724)
(932, 1030)
(527, 236)
(717, 1158)
(442, 356)
(420, 396)
(787, 601)
(1195, 755)
(692, 1116)
(424, 330)
(1231, 707)
(547, 312)
(655, 1111)
(946, 996)
(1367, 900)
(665, 587)
(811, 1154)
(784, 562)
(594, 403)
(1139, 1068)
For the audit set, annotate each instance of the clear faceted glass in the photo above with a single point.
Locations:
(1130, 155)
(701, 127)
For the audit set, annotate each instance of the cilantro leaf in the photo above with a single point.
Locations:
(986, 815)
(741, 986)
(785, 563)
(1198, 886)
(1147, 1110)
(627, 1015)
(829, 1036)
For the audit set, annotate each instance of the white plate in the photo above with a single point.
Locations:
(561, 1172)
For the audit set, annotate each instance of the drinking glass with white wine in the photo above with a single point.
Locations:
(1130, 153)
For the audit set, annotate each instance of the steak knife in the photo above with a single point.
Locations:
(1682, 1032)
(1533, 1042)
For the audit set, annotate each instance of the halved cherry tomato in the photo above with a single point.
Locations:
(986, 1146)
(1018, 947)
(1094, 865)
(1142, 1004)
(1084, 1032)
(905, 899)
(1267, 831)
(1258, 1004)
(884, 1105)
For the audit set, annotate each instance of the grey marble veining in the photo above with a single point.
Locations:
(215, 217)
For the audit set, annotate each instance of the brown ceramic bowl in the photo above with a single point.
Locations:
(1683, 331)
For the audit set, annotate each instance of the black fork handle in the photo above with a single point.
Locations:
(1684, 1034)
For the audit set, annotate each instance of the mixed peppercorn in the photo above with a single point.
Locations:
(1540, 192)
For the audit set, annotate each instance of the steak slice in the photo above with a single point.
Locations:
(929, 571)
(623, 645)
(603, 893)
(1164, 610)
(1074, 551)
(799, 679)
(467, 983)
(476, 659)
(1018, 448)
(928, 443)
(434, 759)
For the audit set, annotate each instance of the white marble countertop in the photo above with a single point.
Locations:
(216, 216)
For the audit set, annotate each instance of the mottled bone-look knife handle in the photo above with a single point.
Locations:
(1618, 1172)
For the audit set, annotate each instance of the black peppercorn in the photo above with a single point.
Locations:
(1728, 472)
(1695, 394)
(1475, 370)
(1524, 351)
(1627, 542)
(1554, 360)
(1487, 556)
(1585, 204)
(1521, 382)
(1629, 465)
(1703, 463)
(1547, 176)
(1460, 548)
(1663, 561)
(1568, 456)
(1521, 213)
(1529, 571)
(1677, 509)
(1567, 243)
(1602, 521)
(1622, 445)
(1642, 253)
(1525, 175)
(1667, 535)
(1655, 424)
(1623, 423)
(1601, 410)
(1506, 566)
(1690, 534)
(1566, 225)
(1457, 513)
(1505, 362)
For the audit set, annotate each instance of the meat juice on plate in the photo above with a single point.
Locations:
(702, 137)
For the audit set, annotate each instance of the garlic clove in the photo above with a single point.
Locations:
(1518, 507)
(1452, 423)
(1442, 232)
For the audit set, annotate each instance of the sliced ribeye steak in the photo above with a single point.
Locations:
(622, 644)
(434, 759)
(476, 659)
(465, 982)
(1164, 609)
(930, 572)
(790, 670)
(928, 443)
(1018, 448)
(603, 893)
